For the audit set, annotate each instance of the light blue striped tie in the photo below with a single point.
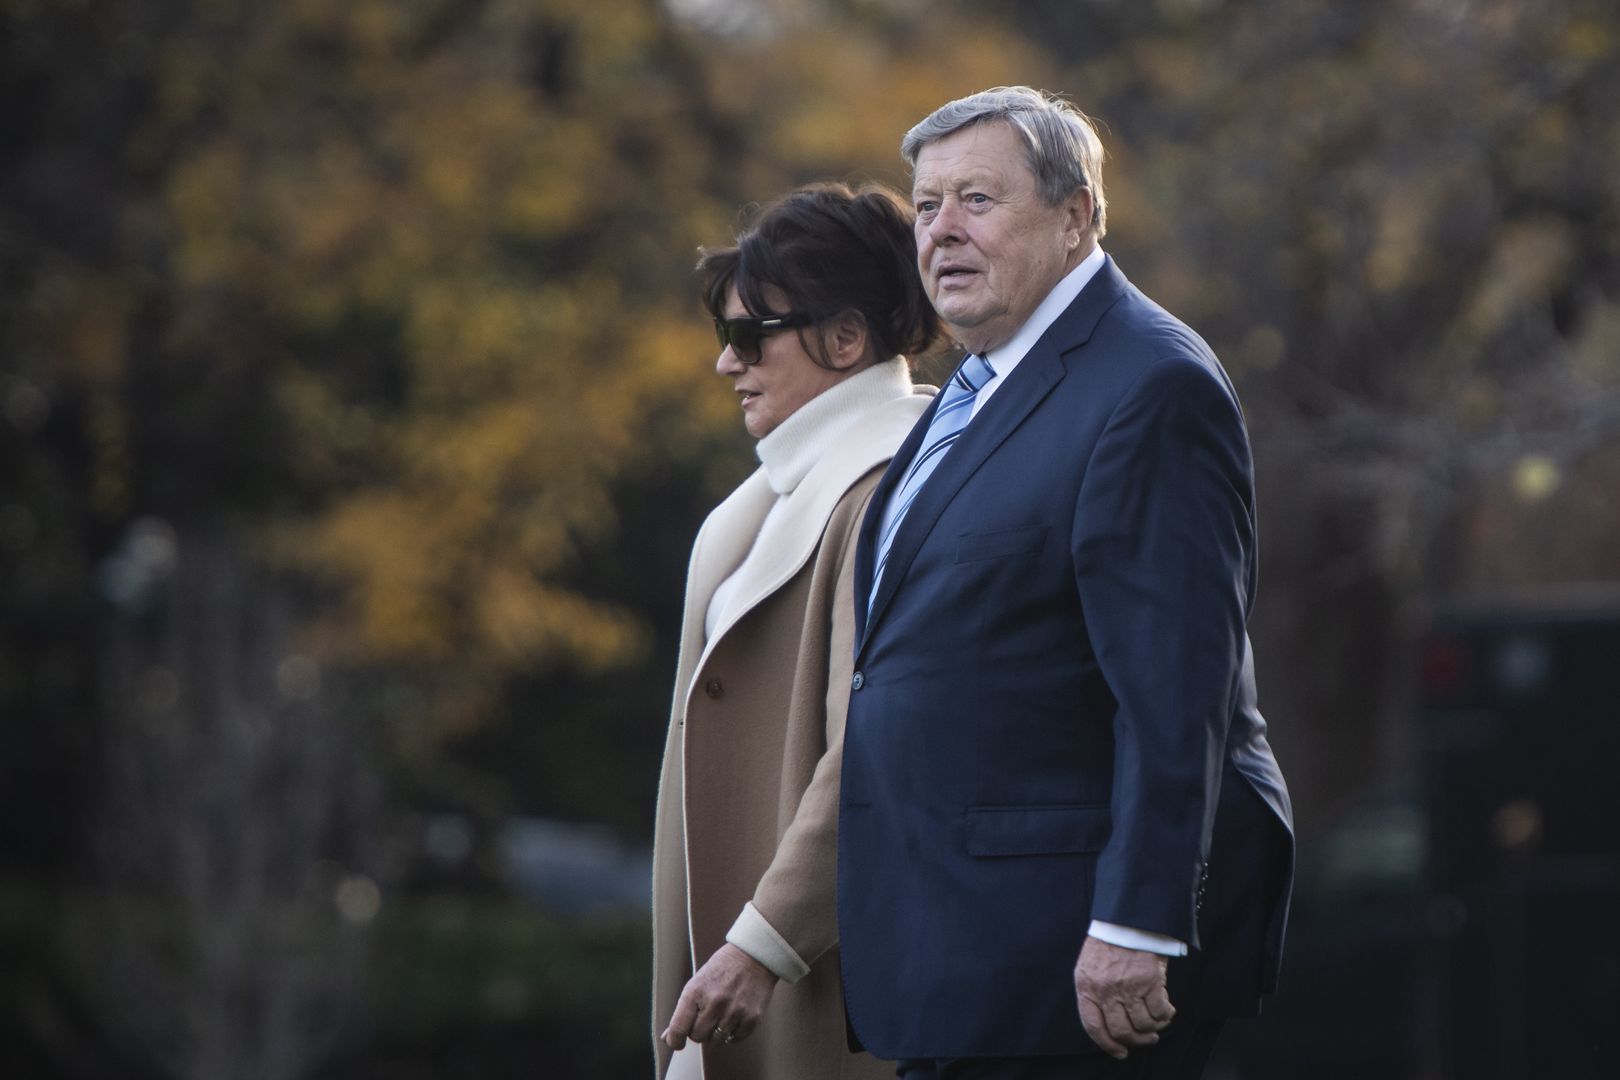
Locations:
(955, 409)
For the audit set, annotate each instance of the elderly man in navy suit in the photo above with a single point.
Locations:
(1065, 847)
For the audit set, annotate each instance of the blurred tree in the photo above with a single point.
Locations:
(236, 842)
(407, 285)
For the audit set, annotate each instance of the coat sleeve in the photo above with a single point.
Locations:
(1163, 547)
(797, 895)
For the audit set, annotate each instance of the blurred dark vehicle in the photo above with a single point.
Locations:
(1456, 923)
(1520, 730)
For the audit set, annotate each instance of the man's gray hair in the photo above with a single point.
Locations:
(1060, 142)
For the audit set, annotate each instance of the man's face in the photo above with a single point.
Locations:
(988, 246)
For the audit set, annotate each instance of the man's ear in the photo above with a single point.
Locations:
(1080, 206)
(844, 338)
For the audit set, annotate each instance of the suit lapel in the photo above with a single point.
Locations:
(867, 543)
(1011, 404)
(1034, 378)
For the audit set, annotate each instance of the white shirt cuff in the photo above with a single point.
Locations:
(1143, 940)
(759, 939)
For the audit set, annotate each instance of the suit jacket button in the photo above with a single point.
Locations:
(858, 681)
(714, 688)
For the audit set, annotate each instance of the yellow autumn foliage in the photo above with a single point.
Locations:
(443, 255)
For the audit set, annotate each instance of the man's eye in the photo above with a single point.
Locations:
(977, 198)
(926, 206)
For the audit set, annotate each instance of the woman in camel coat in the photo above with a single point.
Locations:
(815, 307)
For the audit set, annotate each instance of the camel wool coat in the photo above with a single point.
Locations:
(748, 797)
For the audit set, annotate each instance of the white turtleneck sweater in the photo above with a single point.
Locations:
(789, 452)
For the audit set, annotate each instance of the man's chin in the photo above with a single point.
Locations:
(966, 321)
(975, 337)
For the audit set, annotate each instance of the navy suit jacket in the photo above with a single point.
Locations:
(1053, 714)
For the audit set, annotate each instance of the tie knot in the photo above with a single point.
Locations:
(975, 372)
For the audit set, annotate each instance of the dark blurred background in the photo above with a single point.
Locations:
(356, 415)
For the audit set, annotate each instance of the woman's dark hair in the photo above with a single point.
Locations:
(830, 248)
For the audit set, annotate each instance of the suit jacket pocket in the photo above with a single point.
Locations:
(992, 545)
(1036, 830)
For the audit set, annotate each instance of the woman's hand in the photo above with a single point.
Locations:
(723, 1001)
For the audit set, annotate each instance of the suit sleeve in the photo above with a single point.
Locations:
(1163, 546)
(797, 895)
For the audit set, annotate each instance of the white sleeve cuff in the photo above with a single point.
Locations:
(759, 939)
(1143, 940)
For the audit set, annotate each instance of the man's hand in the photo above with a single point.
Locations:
(1122, 996)
(723, 1001)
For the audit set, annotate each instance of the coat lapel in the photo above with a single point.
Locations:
(1011, 404)
(787, 541)
(721, 545)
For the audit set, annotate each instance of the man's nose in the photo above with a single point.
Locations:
(946, 227)
(728, 364)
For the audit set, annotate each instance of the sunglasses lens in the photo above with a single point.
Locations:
(745, 343)
(743, 335)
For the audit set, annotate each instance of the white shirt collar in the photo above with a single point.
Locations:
(1007, 357)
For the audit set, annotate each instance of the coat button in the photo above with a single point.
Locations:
(714, 688)
(858, 681)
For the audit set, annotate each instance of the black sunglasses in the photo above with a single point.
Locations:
(744, 335)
